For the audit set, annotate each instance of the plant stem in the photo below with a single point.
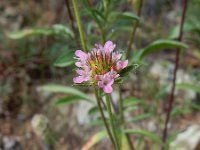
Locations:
(135, 25)
(122, 120)
(121, 109)
(171, 98)
(70, 14)
(103, 117)
(111, 117)
(80, 27)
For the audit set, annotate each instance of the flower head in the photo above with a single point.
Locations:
(100, 66)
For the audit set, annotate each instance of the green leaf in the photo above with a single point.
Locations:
(131, 101)
(188, 26)
(57, 29)
(129, 15)
(65, 89)
(124, 15)
(30, 32)
(68, 100)
(93, 110)
(187, 86)
(127, 70)
(96, 122)
(159, 45)
(96, 138)
(140, 117)
(145, 133)
(65, 60)
(60, 29)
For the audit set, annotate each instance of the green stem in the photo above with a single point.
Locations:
(122, 120)
(135, 25)
(80, 27)
(111, 118)
(103, 117)
(121, 110)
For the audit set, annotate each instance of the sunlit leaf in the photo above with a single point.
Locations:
(64, 89)
(124, 15)
(96, 138)
(69, 100)
(62, 29)
(30, 32)
(144, 133)
(159, 45)
(57, 29)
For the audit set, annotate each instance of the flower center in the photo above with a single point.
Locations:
(100, 63)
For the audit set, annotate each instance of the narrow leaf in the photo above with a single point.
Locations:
(187, 86)
(65, 60)
(68, 100)
(145, 133)
(159, 45)
(96, 138)
(140, 117)
(93, 110)
(64, 89)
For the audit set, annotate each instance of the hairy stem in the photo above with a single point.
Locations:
(80, 27)
(103, 117)
(135, 25)
(171, 98)
(112, 120)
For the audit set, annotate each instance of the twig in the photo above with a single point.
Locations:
(171, 98)
(70, 14)
(80, 27)
(135, 25)
(98, 99)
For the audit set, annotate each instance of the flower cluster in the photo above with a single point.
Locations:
(101, 66)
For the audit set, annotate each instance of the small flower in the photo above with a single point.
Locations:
(101, 66)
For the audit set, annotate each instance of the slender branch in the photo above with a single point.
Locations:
(80, 27)
(111, 117)
(67, 2)
(121, 109)
(122, 120)
(135, 25)
(171, 98)
(103, 117)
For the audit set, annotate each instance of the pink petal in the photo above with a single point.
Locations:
(82, 55)
(78, 64)
(100, 84)
(80, 72)
(108, 89)
(78, 79)
(122, 64)
(109, 46)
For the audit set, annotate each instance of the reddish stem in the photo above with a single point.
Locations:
(171, 98)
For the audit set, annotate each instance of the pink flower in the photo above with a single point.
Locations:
(100, 66)
(122, 64)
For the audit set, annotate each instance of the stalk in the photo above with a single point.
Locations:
(112, 119)
(104, 118)
(122, 120)
(80, 27)
(70, 14)
(135, 25)
(171, 98)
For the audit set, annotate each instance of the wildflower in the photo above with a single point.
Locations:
(101, 66)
